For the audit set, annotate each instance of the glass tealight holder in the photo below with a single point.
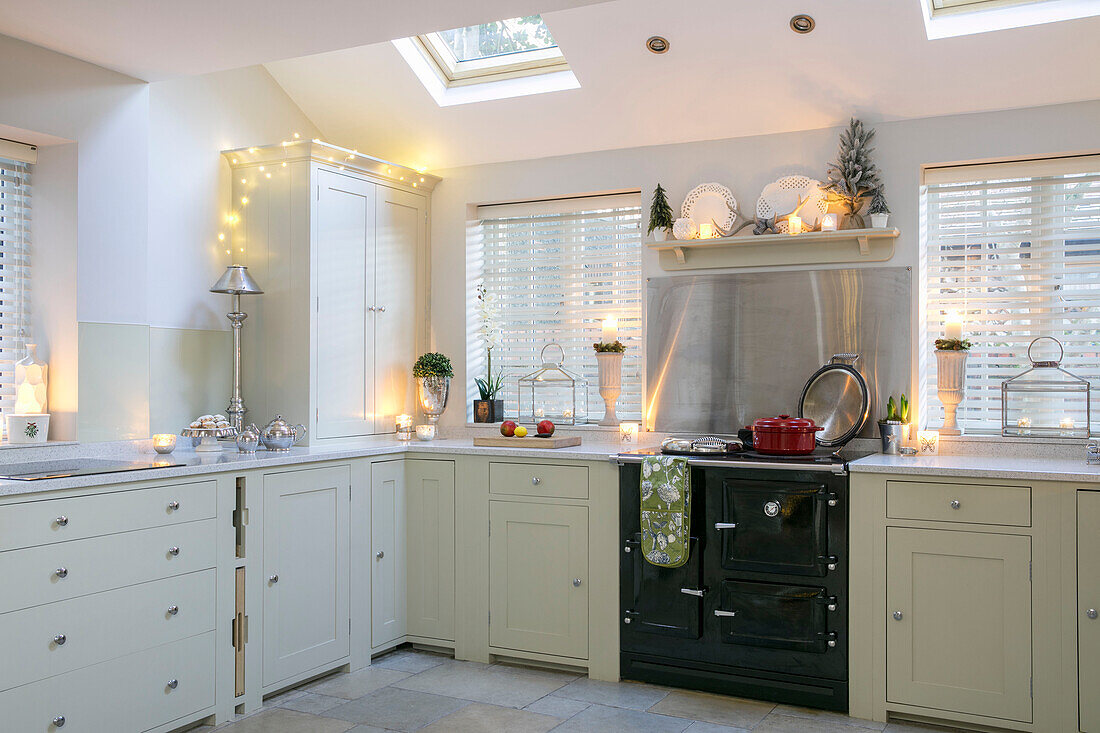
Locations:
(164, 443)
(425, 432)
(404, 427)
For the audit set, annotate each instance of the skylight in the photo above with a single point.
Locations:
(948, 18)
(505, 58)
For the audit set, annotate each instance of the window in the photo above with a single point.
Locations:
(15, 221)
(948, 18)
(1013, 248)
(556, 269)
(506, 58)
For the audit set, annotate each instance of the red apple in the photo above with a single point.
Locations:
(546, 428)
(508, 429)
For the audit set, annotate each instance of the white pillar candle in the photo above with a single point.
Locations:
(794, 225)
(610, 330)
(953, 329)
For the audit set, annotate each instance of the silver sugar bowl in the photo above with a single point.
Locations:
(248, 439)
(279, 435)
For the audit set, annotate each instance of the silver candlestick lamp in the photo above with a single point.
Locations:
(236, 282)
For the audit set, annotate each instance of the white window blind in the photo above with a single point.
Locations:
(1014, 249)
(15, 220)
(557, 269)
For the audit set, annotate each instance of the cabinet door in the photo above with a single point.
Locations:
(430, 539)
(306, 554)
(1088, 604)
(400, 238)
(538, 575)
(958, 637)
(387, 521)
(343, 288)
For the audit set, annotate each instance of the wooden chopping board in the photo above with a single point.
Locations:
(554, 441)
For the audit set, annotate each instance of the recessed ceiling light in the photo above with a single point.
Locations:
(802, 24)
(657, 44)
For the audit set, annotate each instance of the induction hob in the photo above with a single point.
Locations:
(40, 470)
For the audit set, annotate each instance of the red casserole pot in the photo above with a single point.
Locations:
(784, 436)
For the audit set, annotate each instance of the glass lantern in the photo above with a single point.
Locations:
(553, 392)
(1045, 400)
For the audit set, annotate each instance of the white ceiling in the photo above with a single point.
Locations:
(159, 39)
(734, 69)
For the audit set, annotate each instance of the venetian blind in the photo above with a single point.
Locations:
(1014, 249)
(15, 220)
(557, 269)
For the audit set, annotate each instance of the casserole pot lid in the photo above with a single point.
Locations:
(784, 422)
(836, 398)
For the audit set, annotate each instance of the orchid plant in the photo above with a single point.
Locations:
(488, 312)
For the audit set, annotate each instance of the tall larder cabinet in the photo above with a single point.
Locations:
(338, 242)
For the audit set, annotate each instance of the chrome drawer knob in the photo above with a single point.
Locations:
(59, 639)
(59, 721)
(626, 620)
(380, 554)
(381, 309)
(61, 572)
(626, 549)
(831, 607)
(173, 506)
(897, 615)
(62, 521)
(831, 642)
(173, 610)
(955, 504)
(1091, 613)
(173, 684)
(173, 551)
(832, 502)
(273, 578)
(535, 481)
(576, 582)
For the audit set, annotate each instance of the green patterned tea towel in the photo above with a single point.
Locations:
(666, 510)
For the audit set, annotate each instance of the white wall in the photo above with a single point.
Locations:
(746, 165)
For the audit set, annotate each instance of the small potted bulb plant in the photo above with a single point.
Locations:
(661, 218)
(894, 428)
(879, 211)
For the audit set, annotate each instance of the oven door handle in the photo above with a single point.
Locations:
(724, 614)
(697, 592)
(725, 525)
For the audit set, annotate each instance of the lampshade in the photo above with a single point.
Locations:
(236, 281)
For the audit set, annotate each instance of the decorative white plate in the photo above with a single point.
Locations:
(780, 199)
(710, 201)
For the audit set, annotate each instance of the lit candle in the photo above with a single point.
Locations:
(628, 432)
(794, 225)
(610, 330)
(539, 412)
(706, 230)
(830, 223)
(404, 427)
(164, 442)
(928, 442)
(567, 414)
(1066, 423)
(425, 432)
(953, 328)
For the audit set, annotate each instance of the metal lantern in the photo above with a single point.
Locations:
(1045, 400)
(553, 392)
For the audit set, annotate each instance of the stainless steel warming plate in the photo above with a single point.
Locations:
(819, 461)
(39, 470)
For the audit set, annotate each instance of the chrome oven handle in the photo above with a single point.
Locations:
(697, 592)
(724, 614)
(725, 525)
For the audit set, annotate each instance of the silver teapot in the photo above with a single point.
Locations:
(248, 439)
(279, 435)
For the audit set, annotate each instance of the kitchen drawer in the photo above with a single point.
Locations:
(104, 626)
(56, 520)
(31, 576)
(539, 479)
(951, 502)
(126, 695)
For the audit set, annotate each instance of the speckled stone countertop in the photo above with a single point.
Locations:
(229, 460)
(982, 466)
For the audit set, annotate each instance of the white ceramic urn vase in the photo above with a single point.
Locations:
(611, 383)
(951, 387)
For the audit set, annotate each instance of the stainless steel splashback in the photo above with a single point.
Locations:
(723, 350)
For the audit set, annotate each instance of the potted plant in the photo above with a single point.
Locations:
(489, 409)
(894, 428)
(879, 211)
(853, 175)
(660, 216)
(951, 356)
(433, 372)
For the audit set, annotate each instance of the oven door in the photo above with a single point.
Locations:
(661, 601)
(776, 616)
(773, 526)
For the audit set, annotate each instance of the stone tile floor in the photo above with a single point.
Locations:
(410, 690)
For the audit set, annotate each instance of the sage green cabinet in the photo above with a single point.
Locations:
(305, 557)
(1088, 608)
(538, 578)
(387, 519)
(430, 549)
(958, 635)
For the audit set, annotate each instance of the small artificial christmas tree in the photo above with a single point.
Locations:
(853, 175)
(660, 213)
(878, 203)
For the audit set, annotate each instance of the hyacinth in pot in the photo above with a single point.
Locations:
(894, 428)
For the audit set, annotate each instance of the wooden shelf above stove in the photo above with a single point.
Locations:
(770, 250)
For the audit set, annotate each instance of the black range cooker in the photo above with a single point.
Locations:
(760, 609)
